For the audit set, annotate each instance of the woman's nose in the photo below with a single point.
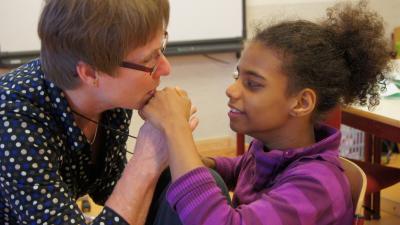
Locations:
(164, 67)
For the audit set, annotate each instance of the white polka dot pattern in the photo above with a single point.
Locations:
(45, 161)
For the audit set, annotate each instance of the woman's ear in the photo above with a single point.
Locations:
(87, 74)
(305, 103)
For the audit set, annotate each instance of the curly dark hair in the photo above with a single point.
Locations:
(343, 58)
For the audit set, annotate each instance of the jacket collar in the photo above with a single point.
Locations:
(272, 162)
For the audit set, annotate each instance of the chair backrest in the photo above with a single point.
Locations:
(334, 117)
(358, 185)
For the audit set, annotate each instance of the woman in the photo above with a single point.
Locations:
(65, 116)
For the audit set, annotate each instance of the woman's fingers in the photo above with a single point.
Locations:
(140, 113)
(193, 122)
(193, 110)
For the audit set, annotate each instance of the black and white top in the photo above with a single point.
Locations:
(45, 158)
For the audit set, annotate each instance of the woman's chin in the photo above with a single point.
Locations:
(138, 105)
(132, 106)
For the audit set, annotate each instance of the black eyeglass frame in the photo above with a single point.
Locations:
(139, 67)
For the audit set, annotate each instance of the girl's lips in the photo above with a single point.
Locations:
(234, 113)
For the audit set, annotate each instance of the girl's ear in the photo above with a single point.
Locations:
(87, 74)
(304, 104)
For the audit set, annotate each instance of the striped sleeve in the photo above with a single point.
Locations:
(228, 169)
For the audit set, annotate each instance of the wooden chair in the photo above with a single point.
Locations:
(358, 186)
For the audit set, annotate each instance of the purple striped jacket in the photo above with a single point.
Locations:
(297, 186)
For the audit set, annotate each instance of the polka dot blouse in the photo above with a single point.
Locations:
(45, 159)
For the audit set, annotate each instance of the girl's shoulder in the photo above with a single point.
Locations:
(326, 173)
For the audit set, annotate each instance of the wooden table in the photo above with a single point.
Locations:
(383, 123)
(3, 70)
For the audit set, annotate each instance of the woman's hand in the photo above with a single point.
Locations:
(208, 162)
(151, 147)
(193, 121)
(133, 193)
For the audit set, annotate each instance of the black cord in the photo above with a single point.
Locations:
(93, 121)
(106, 127)
(103, 125)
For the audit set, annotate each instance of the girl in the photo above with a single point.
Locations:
(289, 76)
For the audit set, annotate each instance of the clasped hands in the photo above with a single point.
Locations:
(169, 107)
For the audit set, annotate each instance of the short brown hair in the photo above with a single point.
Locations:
(98, 32)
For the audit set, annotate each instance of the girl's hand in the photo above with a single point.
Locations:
(193, 121)
(168, 107)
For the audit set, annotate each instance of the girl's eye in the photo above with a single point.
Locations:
(251, 84)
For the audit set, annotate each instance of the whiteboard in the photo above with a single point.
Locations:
(18, 24)
(190, 20)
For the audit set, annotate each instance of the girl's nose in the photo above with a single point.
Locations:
(233, 90)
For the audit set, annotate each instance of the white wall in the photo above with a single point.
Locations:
(188, 22)
(275, 10)
(18, 22)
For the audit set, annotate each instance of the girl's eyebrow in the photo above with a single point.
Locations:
(251, 73)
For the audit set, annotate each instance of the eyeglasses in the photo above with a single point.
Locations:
(150, 70)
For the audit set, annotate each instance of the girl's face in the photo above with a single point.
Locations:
(259, 105)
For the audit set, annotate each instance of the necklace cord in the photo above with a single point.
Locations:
(106, 127)
(85, 117)
(95, 135)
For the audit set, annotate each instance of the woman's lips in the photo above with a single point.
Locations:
(152, 92)
(149, 96)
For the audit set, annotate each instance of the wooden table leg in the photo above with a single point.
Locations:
(373, 150)
(368, 158)
(376, 197)
(239, 144)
